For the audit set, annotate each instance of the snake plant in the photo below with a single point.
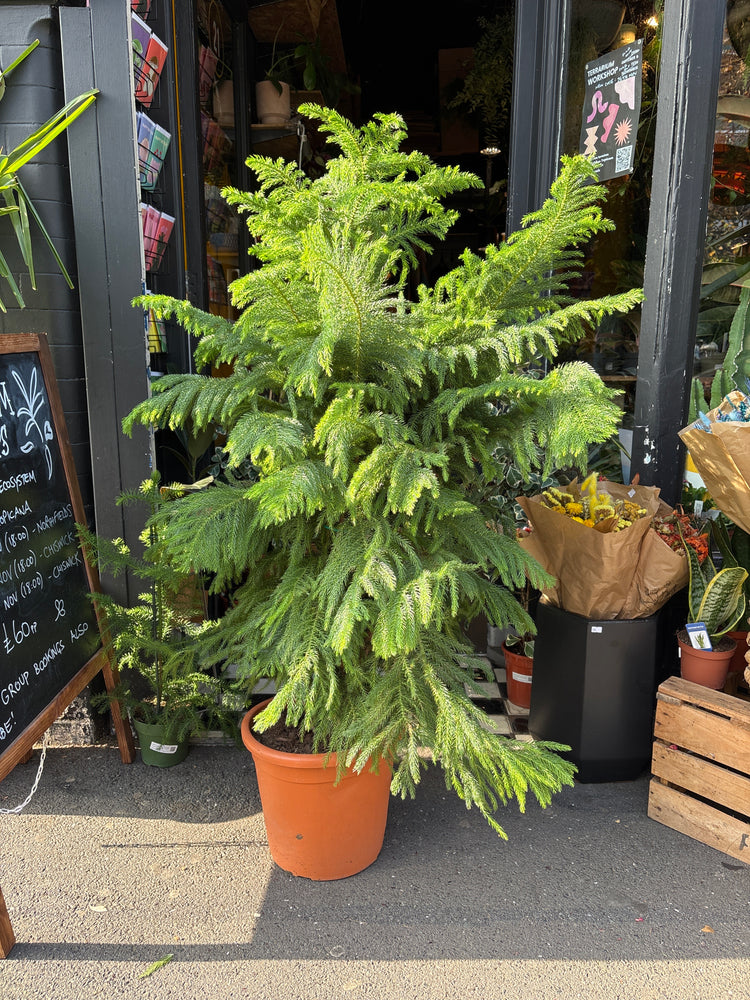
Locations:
(715, 597)
(16, 202)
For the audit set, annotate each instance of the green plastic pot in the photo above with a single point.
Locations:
(155, 750)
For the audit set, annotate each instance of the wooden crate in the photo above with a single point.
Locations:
(701, 766)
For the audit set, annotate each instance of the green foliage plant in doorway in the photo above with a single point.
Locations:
(486, 90)
(357, 554)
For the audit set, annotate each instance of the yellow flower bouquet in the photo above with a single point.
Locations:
(599, 510)
(596, 539)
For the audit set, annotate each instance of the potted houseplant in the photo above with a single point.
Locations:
(162, 686)
(518, 653)
(306, 68)
(315, 73)
(17, 206)
(273, 92)
(733, 543)
(354, 558)
(716, 600)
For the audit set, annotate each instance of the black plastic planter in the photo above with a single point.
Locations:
(594, 688)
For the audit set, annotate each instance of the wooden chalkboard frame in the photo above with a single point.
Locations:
(21, 747)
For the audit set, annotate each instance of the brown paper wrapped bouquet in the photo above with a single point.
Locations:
(609, 546)
(719, 445)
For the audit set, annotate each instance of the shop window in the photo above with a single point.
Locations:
(720, 335)
(615, 260)
(219, 151)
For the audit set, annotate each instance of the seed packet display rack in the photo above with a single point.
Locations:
(149, 57)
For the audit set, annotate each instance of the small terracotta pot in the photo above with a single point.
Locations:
(317, 828)
(738, 663)
(518, 670)
(703, 666)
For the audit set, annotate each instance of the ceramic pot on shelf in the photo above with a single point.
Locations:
(272, 107)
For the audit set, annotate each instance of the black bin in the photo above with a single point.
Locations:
(594, 688)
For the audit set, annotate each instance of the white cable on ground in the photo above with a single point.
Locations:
(30, 796)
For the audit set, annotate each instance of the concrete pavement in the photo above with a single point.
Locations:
(113, 867)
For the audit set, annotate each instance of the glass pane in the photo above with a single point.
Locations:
(216, 95)
(615, 260)
(727, 248)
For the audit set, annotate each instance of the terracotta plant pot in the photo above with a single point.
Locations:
(738, 663)
(518, 670)
(317, 828)
(703, 666)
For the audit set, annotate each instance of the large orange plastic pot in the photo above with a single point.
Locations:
(316, 827)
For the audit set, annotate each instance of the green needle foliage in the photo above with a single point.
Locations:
(358, 551)
(155, 642)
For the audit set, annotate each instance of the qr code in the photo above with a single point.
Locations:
(623, 157)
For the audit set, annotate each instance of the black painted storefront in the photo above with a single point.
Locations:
(89, 199)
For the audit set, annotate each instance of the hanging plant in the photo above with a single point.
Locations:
(486, 91)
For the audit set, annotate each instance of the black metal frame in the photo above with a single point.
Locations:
(541, 48)
(688, 87)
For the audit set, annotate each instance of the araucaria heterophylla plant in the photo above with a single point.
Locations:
(358, 552)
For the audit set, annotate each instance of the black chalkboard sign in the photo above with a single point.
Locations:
(50, 641)
(50, 638)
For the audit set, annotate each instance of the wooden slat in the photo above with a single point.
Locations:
(696, 694)
(699, 820)
(708, 780)
(721, 739)
(7, 937)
